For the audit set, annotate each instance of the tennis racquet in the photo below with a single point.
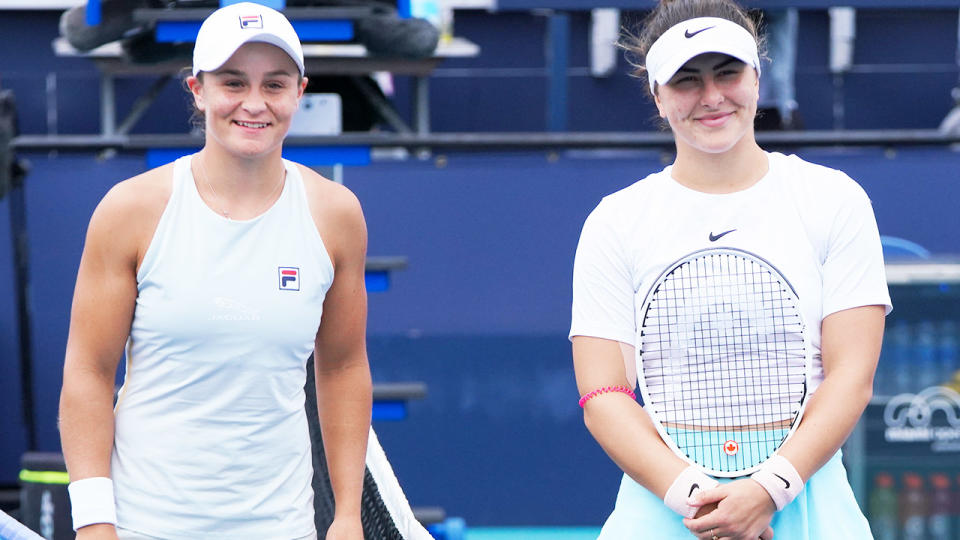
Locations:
(11, 529)
(723, 360)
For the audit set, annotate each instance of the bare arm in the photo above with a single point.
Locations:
(102, 311)
(618, 422)
(342, 370)
(850, 347)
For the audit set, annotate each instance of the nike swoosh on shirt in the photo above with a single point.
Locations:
(688, 34)
(715, 237)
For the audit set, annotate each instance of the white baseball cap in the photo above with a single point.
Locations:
(228, 28)
(697, 36)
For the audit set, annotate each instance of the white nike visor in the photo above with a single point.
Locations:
(694, 37)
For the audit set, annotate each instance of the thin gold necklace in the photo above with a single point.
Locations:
(219, 201)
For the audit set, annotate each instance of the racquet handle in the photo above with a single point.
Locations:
(11, 529)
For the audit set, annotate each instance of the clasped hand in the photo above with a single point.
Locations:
(739, 510)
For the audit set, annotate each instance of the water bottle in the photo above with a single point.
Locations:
(46, 514)
(925, 355)
(913, 508)
(883, 507)
(947, 356)
(898, 359)
(940, 522)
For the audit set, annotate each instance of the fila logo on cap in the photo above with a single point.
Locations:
(249, 22)
(289, 278)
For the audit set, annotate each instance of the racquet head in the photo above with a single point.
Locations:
(723, 359)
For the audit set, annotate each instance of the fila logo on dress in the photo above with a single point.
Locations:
(289, 278)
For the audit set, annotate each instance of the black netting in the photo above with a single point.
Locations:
(376, 519)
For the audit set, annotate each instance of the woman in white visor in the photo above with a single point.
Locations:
(815, 225)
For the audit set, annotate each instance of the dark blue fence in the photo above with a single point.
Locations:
(481, 313)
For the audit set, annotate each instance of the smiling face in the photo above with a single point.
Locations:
(249, 101)
(710, 103)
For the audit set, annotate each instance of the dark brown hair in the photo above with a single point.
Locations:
(197, 119)
(669, 13)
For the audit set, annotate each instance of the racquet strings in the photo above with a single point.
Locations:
(723, 350)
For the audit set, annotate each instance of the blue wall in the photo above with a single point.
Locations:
(482, 312)
(480, 315)
(12, 427)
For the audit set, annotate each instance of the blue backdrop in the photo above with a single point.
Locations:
(480, 315)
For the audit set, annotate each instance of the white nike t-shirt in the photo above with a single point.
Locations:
(813, 224)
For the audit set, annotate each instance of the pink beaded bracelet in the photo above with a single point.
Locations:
(619, 388)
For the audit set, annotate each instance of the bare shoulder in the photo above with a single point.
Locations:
(333, 206)
(328, 197)
(337, 214)
(139, 197)
(128, 214)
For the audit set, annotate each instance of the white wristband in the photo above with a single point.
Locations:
(781, 480)
(91, 501)
(688, 482)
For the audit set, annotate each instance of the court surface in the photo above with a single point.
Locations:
(532, 533)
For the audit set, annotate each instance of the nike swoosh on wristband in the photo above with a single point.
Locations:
(715, 237)
(688, 34)
(787, 483)
(696, 487)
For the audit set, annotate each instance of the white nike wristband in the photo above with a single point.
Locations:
(688, 482)
(91, 501)
(781, 480)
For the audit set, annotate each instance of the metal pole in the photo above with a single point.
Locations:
(421, 88)
(108, 113)
(557, 56)
(21, 262)
(12, 173)
(381, 105)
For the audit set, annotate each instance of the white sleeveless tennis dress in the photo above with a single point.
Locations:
(211, 434)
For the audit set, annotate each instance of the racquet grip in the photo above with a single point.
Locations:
(689, 481)
(11, 529)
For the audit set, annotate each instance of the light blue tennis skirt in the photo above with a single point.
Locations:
(824, 510)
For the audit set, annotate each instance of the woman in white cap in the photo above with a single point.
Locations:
(213, 272)
(814, 224)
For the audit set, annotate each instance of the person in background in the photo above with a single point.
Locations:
(377, 26)
(778, 109)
